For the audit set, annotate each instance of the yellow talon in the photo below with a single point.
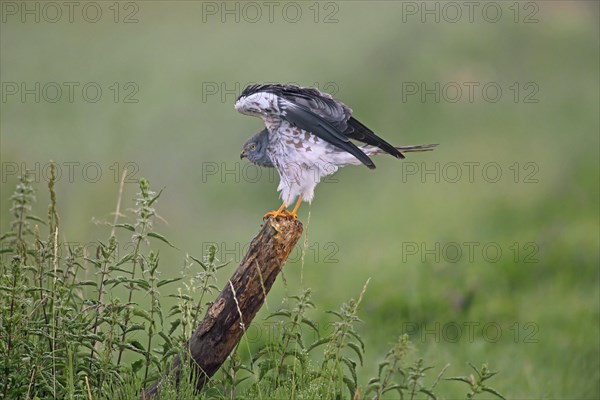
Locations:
(281, 212)
(276, 214)
(294, 212)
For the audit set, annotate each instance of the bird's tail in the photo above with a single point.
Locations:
(420, 147)
(372, 150)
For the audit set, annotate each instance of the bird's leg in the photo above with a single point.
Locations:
(296, 207)
(279, 213)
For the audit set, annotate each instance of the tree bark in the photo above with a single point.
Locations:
(243, 295)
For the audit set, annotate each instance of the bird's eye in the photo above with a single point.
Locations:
(253, 146)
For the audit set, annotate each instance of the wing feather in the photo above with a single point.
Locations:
(322, 115)
(313, 123)
(357, 131)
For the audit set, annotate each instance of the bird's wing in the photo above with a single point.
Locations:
(338, 115)
(314, 111)
(319, 103)
(311, 122)
(357, 131)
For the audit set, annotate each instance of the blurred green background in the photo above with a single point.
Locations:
(534, 309)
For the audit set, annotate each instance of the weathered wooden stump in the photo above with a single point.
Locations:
(243, 295)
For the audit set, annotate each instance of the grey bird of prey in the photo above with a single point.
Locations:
(308, 135)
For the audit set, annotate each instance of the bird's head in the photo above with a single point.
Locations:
(255, 149)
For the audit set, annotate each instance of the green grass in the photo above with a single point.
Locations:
(171, 134)
(68, 337)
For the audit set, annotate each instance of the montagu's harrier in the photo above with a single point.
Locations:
(308, 136)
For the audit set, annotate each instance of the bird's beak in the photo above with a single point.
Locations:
(243, 155)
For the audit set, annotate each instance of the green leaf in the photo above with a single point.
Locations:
(37, 219)
(123, 260)
(238, 381)
(337, 314)
(281, 313)
(174, 325)
(354, 347)
(93, 261)
(155, 197)
(141, 283)
(143, 314)
(355, 335)
(297, 355)
(115, 281)
(371, 388)
(160, 237)
(129, 227)
(311, 324)
(319, 342)
(429, 393)
(136, 327)
(223, 265)
(199, 262)
(166, 338)
(351, 386)
(492, 391)
(459, 378)
(351, 366)
(382, 366)
(119, 269)
(137, 365)
(136, 346)
(7, 235)
(393, 387)
(475, 369)
(166, 281)
(88, 283)
(181, 296)
(488, 376)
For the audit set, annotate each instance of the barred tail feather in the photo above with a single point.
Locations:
(373, 151)
(420, 147)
